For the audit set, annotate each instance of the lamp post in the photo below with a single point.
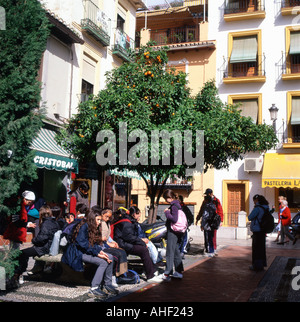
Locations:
(273, 113)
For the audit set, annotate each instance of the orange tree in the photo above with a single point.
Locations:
(144, 96)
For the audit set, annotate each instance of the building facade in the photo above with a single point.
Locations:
(257, 66)
(88, 38)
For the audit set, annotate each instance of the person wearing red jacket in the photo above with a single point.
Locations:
(217, 203)
(285, 219)
(16, 231)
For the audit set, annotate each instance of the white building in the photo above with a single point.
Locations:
(258, 64)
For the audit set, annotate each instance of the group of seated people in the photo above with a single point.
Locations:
(96, 236)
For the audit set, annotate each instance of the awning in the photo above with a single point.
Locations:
(281, 171)
(50, 155)
(244, 50)
(295, 117)
(295, 43)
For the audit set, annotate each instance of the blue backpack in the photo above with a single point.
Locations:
(130, 277)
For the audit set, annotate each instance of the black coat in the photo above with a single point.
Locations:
(126, 234)
(42, 242)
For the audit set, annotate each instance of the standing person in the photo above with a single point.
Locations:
(259, 259)
(219, 210)
(41, 243)
(173, 256)
(285, 218)
(87, 247)
(125, 234)
(209, 211)
(80, 195)
(278, 227)
(16, 230)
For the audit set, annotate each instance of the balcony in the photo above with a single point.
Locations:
(123, 44)
(244, 10)
(290, 66)
(289, 7)
(96, 23)
(175, 35)
(245, 72)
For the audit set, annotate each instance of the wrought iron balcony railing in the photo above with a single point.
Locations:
(244, 6)
(245, 69)
(175, 35)
(96, 22)
(290, 63)
(290, 3)
(122, 44)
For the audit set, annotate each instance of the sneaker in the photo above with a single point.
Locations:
(155, 279)
(177, 275)
(210, 255)
(97, 293)
(114, 281)
(166, 278)
(110, 290)
(21, 280)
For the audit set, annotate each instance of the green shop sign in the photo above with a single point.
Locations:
(55, 162)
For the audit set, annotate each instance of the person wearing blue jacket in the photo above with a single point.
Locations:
(259, 259)
(87, 247)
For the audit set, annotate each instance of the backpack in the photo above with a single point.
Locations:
(215, 221)
(267, 222)
(181, 224)
(67, 233)
(130, 277)
(188, 214)
(112, 226)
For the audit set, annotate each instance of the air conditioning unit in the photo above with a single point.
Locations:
(253, 164)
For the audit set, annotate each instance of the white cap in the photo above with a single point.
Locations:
(29, 195)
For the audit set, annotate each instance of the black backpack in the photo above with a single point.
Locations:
(267, 222)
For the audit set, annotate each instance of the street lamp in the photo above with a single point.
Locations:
(273, 113)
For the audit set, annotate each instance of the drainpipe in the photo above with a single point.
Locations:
(71, 81)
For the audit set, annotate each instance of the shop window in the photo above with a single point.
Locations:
(293, 197)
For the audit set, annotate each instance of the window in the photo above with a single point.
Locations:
(293, 117)
(294, 52)
(293, 197)
(120, 23)
(87, 89)
(245, 57)
(250, 105)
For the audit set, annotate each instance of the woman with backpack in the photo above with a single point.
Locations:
(259, 259)
(174, 238)
(87, 247)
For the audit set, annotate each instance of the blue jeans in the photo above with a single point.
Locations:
(104, 270)
(210, 240)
